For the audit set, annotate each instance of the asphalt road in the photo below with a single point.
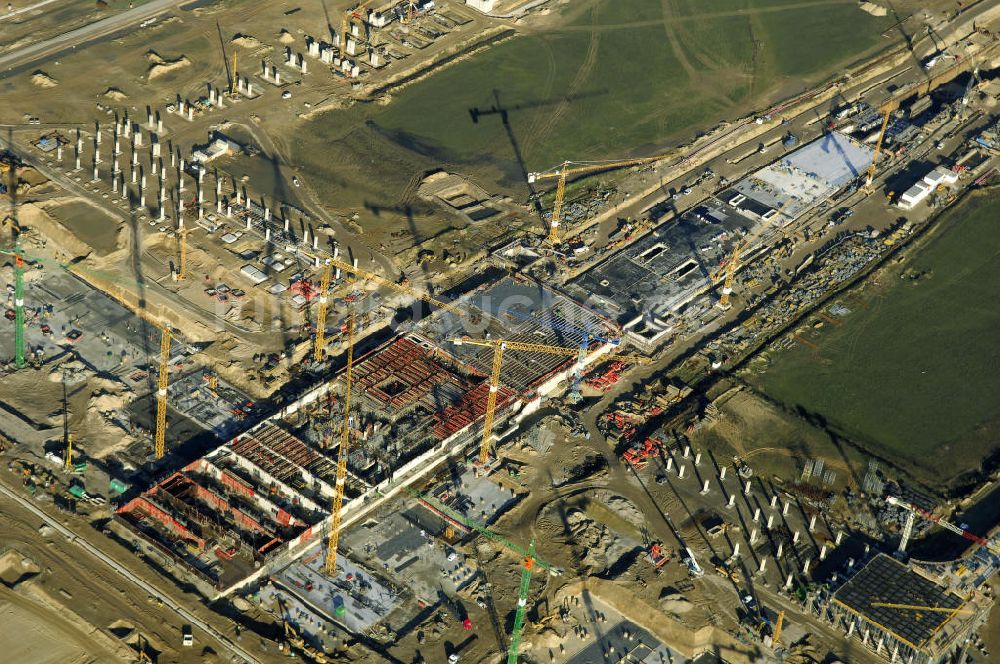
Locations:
(74, 38)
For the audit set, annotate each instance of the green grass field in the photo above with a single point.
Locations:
(914, 371)
(619, 77)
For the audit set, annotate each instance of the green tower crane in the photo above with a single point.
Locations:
(528, 562)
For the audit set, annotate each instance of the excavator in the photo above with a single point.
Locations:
(294, 641)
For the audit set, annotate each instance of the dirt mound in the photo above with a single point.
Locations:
(43, 80)
(15, 568)
(594, 539)
(114, 94)
(160, 66)
(246, 41)
(285, 37)
(621, 506)
(39, 221)
(674, 603)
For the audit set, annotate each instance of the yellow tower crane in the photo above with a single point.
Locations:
(499, 346)
(776, 636)
(575, 168)
(918, 608)
(68, 465)
(733, 264)
(887, 109)
(161, 388)
(322, 307)
(345, 436)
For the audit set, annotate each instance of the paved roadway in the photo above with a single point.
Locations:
(127, 574)
(74, 38)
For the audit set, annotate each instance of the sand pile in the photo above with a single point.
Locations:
(673, 603)
(246, 41)
(43, 80)
(160, 65)
(114, 94)
(285, 37)
(621, 506)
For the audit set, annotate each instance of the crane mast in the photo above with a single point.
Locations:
(499, 346)
(345, 435)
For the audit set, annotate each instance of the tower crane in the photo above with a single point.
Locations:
(776, 635)
(528, 562)
(887, 109)
(919, 607)
(501, 345)
(345, 436)
(575, 168)
(338, 264)
(962, 532)
(733, 264)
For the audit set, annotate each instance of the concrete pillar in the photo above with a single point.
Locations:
(59, 151)
(336, 250)
(229, 210)
(784, 510)
(95, 173)
(239, 200)
(149, 118)
(118, 147)
(267, 214)
(180, 177)
(138, 138)
(155, 166)
(190, 114)
(201, 212)
(97, 134)
(770, 521)
(680, 472)
(315, 242)
(774, 502)
(135, 174)
(670, 463)
(201, 175)
(795, 537)
(277, 76)
(114, 183)
(850, 629)
(97, 154)
(687, 451)
(218, 99)
(267, 234)
(155, 154)
(753, 537)
(248, 224)
(822, 552)
(697, 459)
(839, 536)
(163, 212)
(850, 563)
(736, 550)
(218, 206)
(264, 69)
(746, 488)
(788, 581)
(704, 488)
(249, 88)
(812, 523)
(211, 94)
(304, 65)
(118, 126)
(135, 158)
(763, 566)
(722, 473)
(173, 160)
(756, 515)
(286, 224)
(781, 550)
(159, 124)
(201, 196)
(142, 199)
(218, 187)
(305, 237)
(142, 181)
(805, 566)
(124, 190)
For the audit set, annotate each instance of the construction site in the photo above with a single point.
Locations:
(522, 417)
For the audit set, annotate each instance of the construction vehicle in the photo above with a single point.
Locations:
(499, 346)
(576, 168)
(528, 562)
(330, 568)
(743, 469)
(295, 641)
(658, 555)
(962, 532)
(694, 569)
